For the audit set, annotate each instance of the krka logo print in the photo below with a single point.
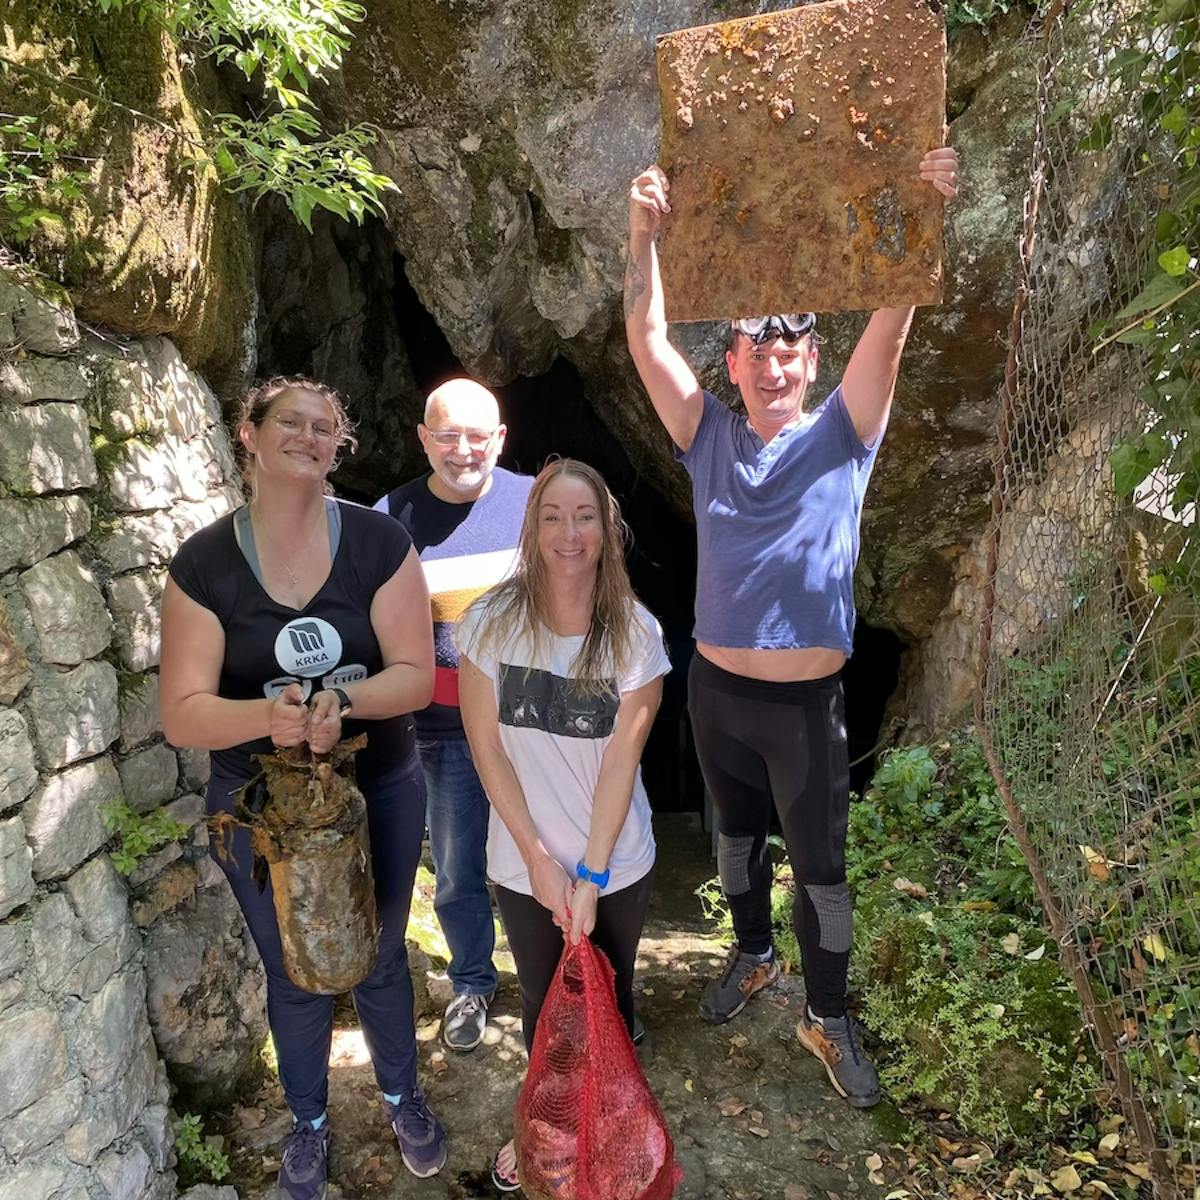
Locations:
(308, 646)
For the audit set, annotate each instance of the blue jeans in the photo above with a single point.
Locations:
(302, 1022)
(457, 817)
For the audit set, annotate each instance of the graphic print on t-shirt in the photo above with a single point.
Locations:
(308, 646)
(533, 699)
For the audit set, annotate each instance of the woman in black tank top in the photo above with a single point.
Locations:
(303, 619)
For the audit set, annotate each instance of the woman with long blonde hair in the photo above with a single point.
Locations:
(560, 678)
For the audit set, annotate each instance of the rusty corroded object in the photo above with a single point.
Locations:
(311, 835)
(792, 142)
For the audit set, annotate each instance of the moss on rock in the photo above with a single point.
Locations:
(153, 245)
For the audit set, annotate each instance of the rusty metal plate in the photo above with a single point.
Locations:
(792, 142)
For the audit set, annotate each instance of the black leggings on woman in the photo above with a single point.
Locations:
(537, 944)
(784, 744)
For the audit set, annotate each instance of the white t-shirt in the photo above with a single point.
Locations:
(555, 739)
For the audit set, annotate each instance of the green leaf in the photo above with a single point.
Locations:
(1099, 135)
(1175, 261)
(1175, 120)
(1060, 110)
(1161, 289)
(1129, 468)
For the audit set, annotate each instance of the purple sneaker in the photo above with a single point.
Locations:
(422, 1138)
(305, 1163)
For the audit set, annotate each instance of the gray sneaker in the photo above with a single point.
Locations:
(744, 974)
(465, 1021)
(304, 1165)
(835, 1041)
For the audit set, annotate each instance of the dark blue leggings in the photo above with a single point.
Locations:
(302, 1022)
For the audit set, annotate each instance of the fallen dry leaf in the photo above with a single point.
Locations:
(739, 1041)
(876, 1177)
(1157, 947)
(1141, 1170)
(1110, 1124)
(1098, 1185)
(1035, 955)
(874, 1162)
(1109, 1142)
(1066, 1179)
(731, 1106)
(945, 1146)
(793, 1191)
(1011, 943)
(759, 1131)
(1085, 1156)
(647, 991)
(687, 1085)
(915, 891)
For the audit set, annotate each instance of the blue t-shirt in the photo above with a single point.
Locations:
(777, 528)
(465, 549)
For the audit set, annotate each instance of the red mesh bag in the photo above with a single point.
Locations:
(587, 1125)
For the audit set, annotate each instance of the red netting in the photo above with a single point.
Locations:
(587, 1125)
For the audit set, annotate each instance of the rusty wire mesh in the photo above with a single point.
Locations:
(1089, 703)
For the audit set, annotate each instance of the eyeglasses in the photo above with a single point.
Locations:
(476, 439)
(290, 423)
(789, 326)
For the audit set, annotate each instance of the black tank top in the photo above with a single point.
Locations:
(328, 643)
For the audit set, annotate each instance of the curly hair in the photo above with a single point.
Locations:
(257, 402)
(522, 601)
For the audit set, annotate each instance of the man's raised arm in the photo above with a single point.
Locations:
(870, 379)
(666, 376)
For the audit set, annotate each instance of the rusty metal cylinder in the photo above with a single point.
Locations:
(325, 905)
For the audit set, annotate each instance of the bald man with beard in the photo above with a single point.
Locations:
(464, 516)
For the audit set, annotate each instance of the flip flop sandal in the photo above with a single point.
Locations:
(501, 1182)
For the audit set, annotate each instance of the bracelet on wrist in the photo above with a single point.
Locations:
(599, 878)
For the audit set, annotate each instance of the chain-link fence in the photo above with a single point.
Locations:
(1089, 703)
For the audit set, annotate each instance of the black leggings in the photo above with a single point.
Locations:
(537, 944)
(783, 743)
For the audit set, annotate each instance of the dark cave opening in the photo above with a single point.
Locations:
(549, 414)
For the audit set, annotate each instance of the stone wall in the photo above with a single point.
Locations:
(110, 454)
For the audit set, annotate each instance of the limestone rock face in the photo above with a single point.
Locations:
(74, 713)
(152, 246)
(63, 818)
(32, 529)
(67, 609)
(513, 140)
(46, 448)
(18, 767)
(206, 1005)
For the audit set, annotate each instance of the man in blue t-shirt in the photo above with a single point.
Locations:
(777, 496)
(464, 517)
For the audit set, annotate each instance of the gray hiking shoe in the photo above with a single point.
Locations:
(304, 1165)
(835, 1041)
(744, 974)
(465, 1021)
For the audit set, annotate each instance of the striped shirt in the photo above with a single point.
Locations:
(465, 549)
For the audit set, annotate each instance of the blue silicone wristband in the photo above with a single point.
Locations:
(599, 878)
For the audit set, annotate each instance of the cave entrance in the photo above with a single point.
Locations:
(549, 414)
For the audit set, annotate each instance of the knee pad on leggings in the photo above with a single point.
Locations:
(733, 863)
(831, 902)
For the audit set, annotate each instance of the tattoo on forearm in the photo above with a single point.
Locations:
(635, 285)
